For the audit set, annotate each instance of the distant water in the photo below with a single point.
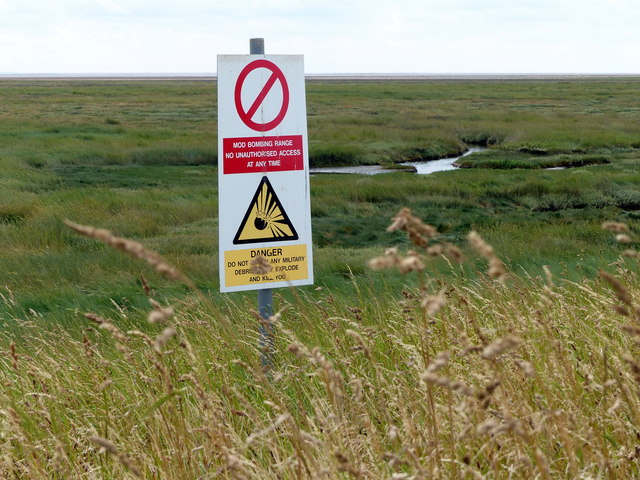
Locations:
(422, 168)
(440, 165)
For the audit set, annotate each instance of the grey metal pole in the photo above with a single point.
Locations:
(256, 46)
(265, 296)
(267, 340)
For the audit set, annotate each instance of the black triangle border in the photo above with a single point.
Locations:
(236, 240)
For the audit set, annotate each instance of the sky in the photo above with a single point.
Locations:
(335, 36)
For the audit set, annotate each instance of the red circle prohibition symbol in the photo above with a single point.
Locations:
(247, 115)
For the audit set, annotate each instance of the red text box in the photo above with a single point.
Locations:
(262, 154)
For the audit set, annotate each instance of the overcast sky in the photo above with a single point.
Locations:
(335, 36)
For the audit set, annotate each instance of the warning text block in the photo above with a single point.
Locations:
(263, 154)
(288, 263)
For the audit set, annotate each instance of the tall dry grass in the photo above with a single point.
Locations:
(504, 378)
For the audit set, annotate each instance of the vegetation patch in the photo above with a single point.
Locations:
(175, 157)
(152, 176)
(327, 156)
(497, 374)
(482, 138)
(12, 214)
(501, 159)
(432, 151)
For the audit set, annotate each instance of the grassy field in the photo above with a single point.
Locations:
(519, 362)
(138, 157)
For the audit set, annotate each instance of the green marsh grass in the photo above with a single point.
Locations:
(139, 158)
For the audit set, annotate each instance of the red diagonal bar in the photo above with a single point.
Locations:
(265, 90)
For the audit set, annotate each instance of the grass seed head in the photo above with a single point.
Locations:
(454, 253)
(14, 355)
(615, 227)
(378, 263)
(108, 326)
(526, 367)
(432, 304)
(400, 221)
(500, 346)
(163, 338)
(131, 248)
(497, 269)
(390, 259)
(548, 275)
(632, 330)
(619, 289)
(623, 238)
(441, 361)
(634, 366)
(345, 466)
(109, 447)
(410, 264)
(452, 385)
(159, 314)
(419, 232)
(145, 285)
(104, 385)
(260, 265)
(418, 239)
(480, 246)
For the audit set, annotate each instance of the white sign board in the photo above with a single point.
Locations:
(263, 172)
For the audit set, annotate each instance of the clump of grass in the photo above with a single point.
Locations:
(328, 156)
(12, 214)
(131, 248)
(482, 138)
(528, 159)
(175, 157)
(432, 150)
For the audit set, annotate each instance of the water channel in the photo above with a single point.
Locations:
(422, 168)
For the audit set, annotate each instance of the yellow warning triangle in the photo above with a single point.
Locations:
(265, 220)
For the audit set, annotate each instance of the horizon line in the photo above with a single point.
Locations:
(311, 74)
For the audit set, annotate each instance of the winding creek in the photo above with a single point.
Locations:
(422, 168)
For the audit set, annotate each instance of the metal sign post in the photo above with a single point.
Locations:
(265, 296)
